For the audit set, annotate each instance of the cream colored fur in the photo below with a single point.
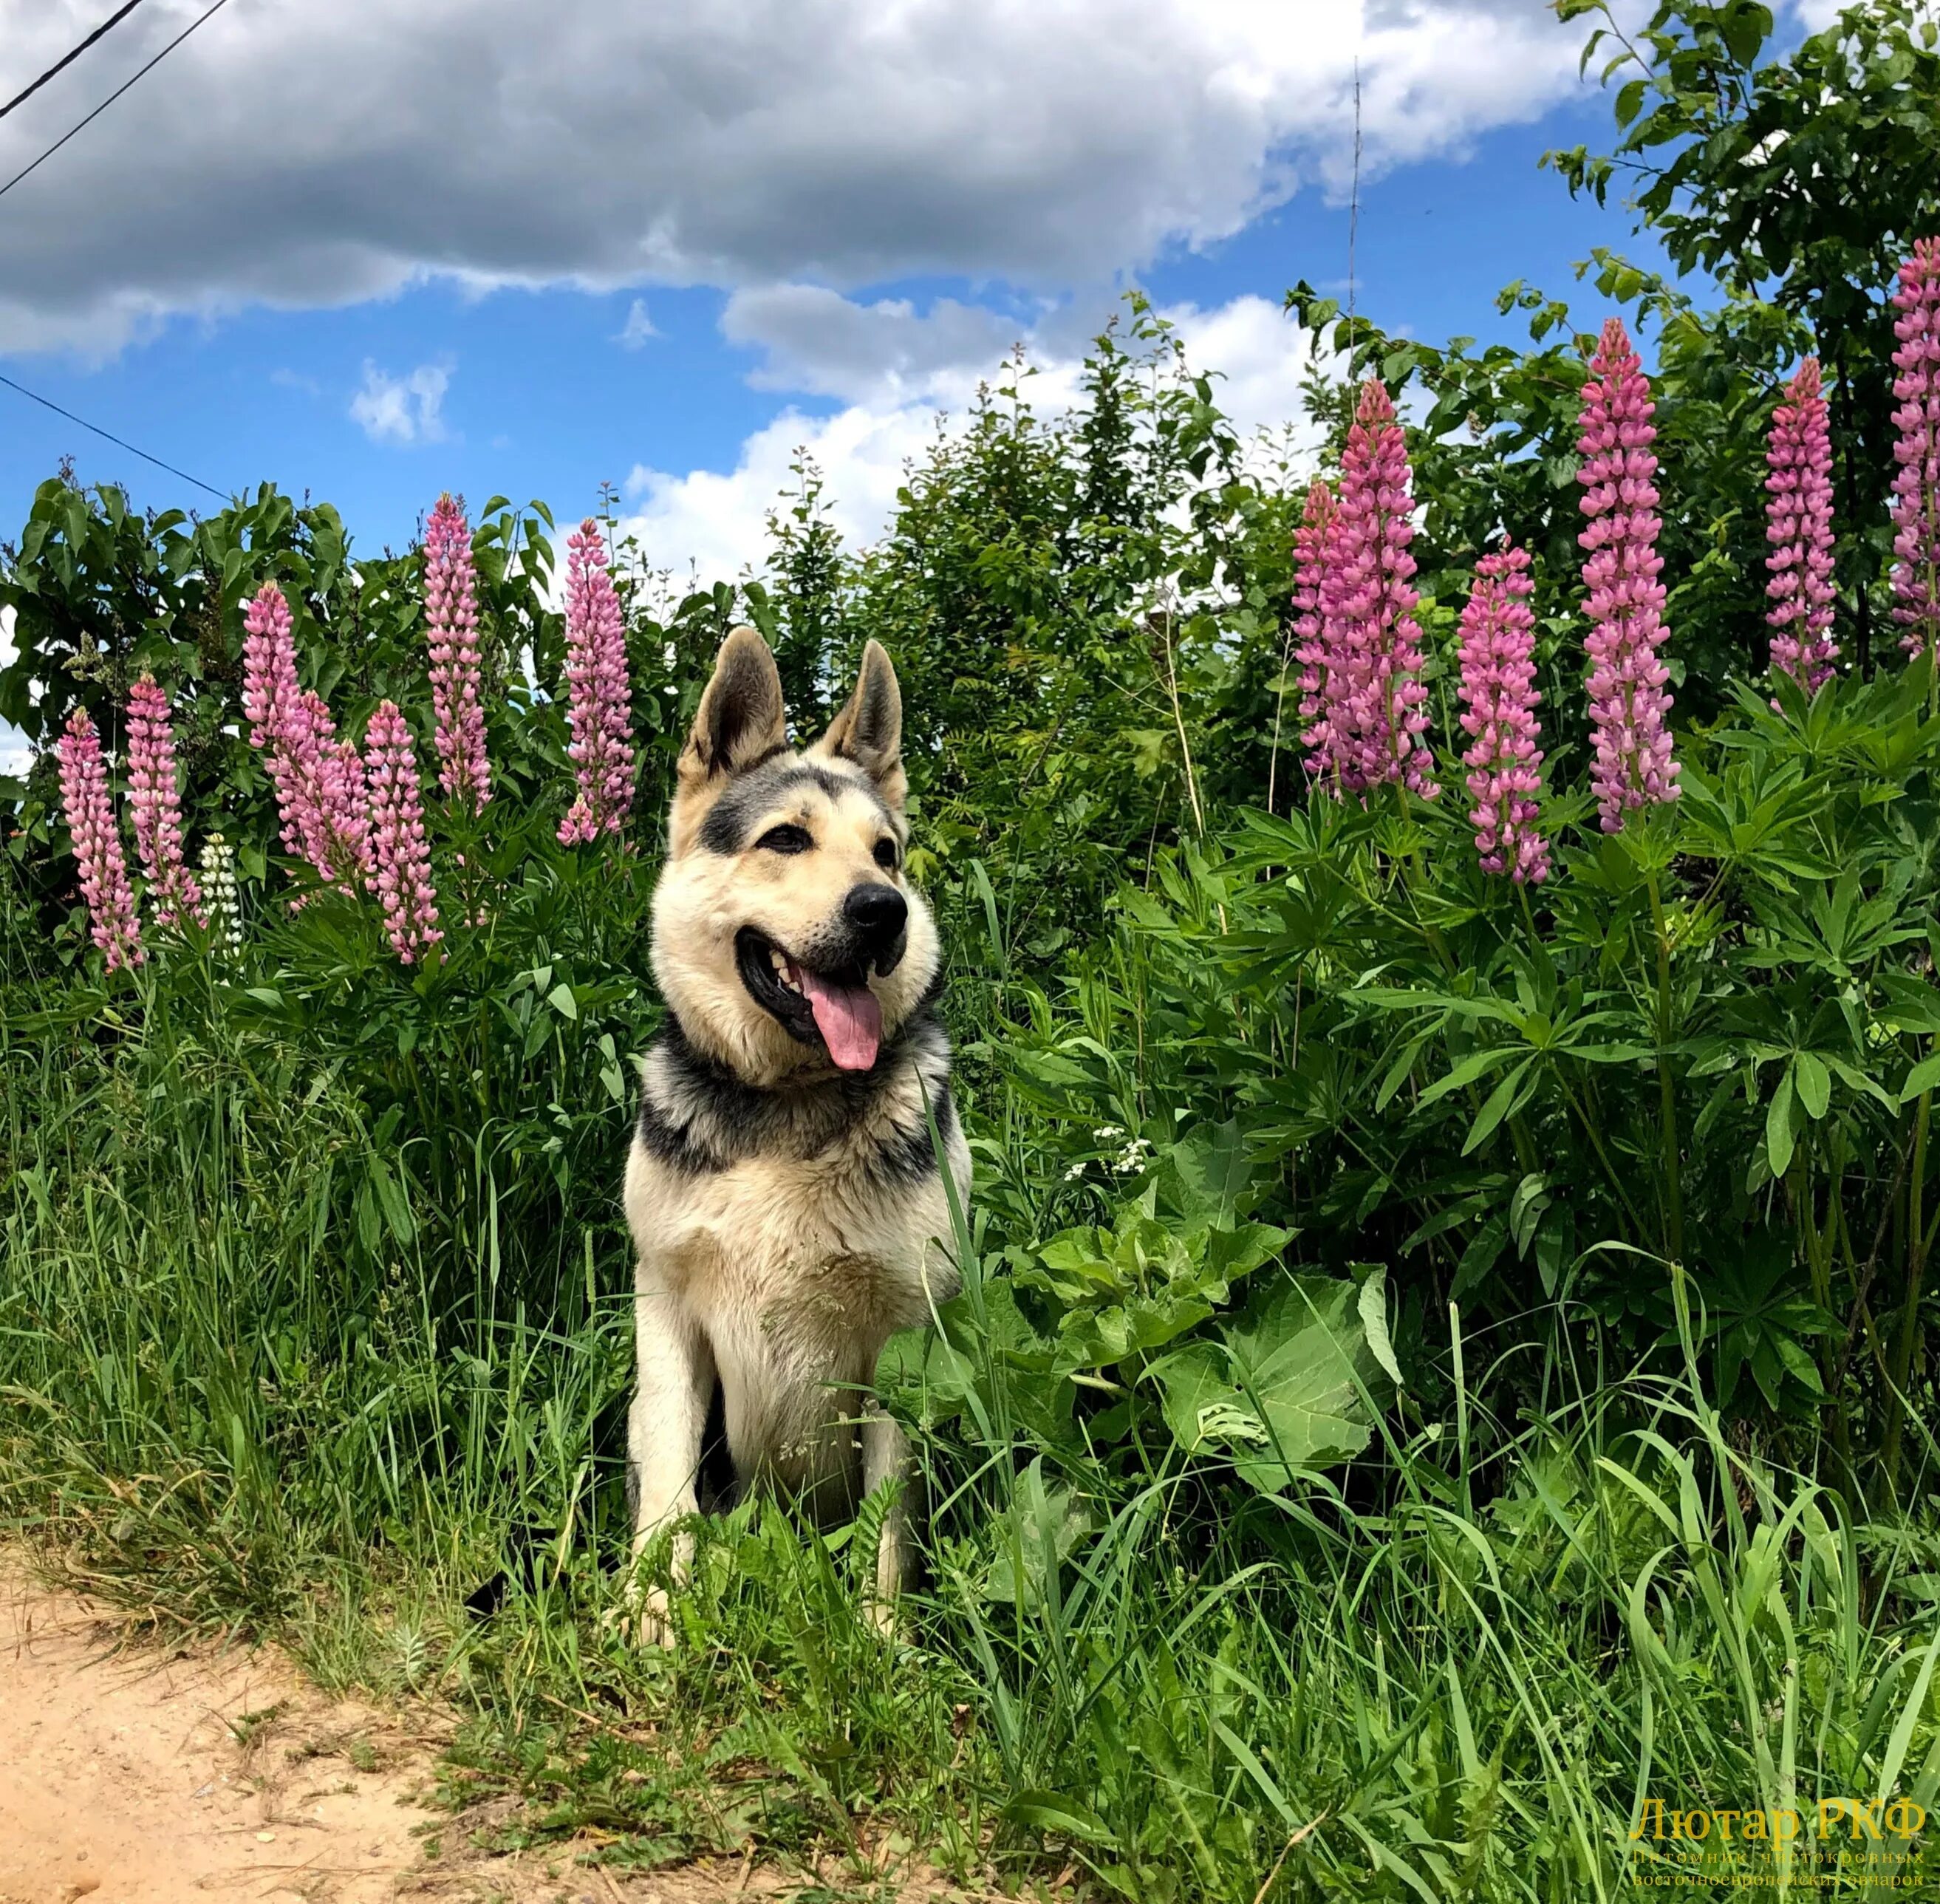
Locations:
(783, 1274)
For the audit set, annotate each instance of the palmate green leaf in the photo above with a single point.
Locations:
(1283, 1392)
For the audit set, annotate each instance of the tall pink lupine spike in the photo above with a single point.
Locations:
(402, 876)
(1368, 604)
(1916, 487)
(1632, 764)
(1799, 526)
(317, 779)
(451, 624)
(600, 703)
(1323, 685)
(156, 804)
(97, 844)
(1498, 700)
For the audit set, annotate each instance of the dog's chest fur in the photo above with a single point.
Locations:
(797, 1231)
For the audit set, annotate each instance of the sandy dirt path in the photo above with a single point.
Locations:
(135, 1773)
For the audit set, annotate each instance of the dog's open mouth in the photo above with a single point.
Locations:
(838, 1007)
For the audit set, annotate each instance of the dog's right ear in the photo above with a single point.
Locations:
(740, 719)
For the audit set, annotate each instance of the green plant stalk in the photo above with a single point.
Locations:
(1673, 1172)
(1919, 1239)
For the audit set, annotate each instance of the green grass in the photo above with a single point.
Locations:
(1460, 1672)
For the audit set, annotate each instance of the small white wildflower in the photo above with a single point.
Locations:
(1105, 1133)
(1075, 1171)
(1133, 1157)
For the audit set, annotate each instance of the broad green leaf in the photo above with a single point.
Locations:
(1281, 1393)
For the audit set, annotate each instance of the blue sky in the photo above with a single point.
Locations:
(372, 258)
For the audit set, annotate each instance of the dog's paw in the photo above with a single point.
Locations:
(656, 1627)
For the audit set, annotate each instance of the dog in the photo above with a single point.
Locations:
(783, 1186)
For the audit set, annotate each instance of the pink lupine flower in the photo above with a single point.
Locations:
(1499, 698)
(1367, 603)
(1799, 526)
(1632, 764)
(451, 622)
(1916, 488)
(402, 876)
(599, 704)
(1322, 685)
(97, 844)
(156, 804)
(319, 779)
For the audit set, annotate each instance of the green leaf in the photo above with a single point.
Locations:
(1778, 1133)
(1373, 1306)
(1814, 1083)
(1495, 1108)
(1470, 1068)
(561, 999)
(1054, 1813)
(1036, 1535)
(1282, 1394)
(1212, 1171)
(1922, 1078)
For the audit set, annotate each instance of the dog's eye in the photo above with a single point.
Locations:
(886, 855)
(786, 839)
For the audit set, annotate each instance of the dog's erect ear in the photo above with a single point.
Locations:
(740, 719)
(869, 729)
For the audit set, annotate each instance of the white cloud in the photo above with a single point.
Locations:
(846, 141)
(402, 410)
(639, 328)
(717, 521)
(815, 340)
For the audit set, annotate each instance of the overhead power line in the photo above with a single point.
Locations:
(121, 443)
(67, 59)
(200, 21)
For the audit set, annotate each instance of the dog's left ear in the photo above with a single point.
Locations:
(869, 729)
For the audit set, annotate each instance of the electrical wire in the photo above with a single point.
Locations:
(200, 21)
(121, 443)
(61, 65)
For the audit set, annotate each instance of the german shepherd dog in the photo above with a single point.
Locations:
(782, 1187)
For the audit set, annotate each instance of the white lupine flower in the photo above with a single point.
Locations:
(220, 893)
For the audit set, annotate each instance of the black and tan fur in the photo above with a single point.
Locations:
(789, 1215)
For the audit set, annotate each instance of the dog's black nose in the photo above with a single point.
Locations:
(876, 913)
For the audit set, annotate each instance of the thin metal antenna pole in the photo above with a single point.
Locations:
(1354, 211)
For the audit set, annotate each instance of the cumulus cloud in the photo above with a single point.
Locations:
(816, 340)
(303, 156)
(405, 409)
(716, 521)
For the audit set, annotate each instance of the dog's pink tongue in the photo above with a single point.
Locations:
(849, 1018)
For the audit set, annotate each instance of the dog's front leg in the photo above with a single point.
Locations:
(885, 1461)
(663, 1432)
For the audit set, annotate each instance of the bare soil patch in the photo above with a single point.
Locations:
(135, 1772)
